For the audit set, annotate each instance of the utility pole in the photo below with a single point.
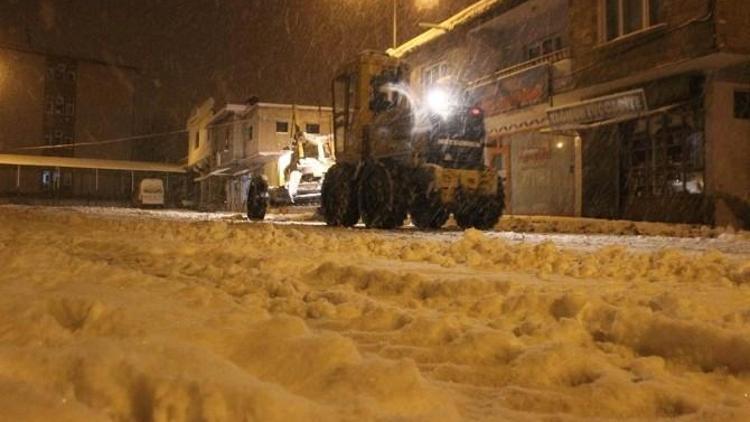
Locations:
(395, 23)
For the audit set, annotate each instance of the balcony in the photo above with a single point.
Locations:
(559, 62)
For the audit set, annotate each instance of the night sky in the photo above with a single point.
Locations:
(188, 50)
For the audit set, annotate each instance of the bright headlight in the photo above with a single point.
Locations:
(439, 101)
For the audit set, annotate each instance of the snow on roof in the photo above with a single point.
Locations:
(87, 163)
(464, 16)
(235, 108)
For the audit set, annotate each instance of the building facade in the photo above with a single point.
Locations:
(47, 101)
(229, 143)
(627, 109)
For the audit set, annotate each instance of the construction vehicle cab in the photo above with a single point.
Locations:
(399, 155)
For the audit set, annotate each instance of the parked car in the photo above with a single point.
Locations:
(150, 192)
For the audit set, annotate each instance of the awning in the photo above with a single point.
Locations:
(87, 163)
(619, 119)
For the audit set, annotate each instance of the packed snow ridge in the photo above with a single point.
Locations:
(114, 317)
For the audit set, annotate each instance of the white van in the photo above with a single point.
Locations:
(150, 193)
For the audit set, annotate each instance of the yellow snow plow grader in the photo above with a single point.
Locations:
(397, 156)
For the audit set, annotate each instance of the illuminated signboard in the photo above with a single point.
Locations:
(598, 109)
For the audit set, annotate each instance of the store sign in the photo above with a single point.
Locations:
(520, 90)
(535, 156)
(599, 109)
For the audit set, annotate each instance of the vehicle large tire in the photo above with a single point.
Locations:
(481, 212)
(425, 206)
(382, 201)
(257, 198)
(338, 196)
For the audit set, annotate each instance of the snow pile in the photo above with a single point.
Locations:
(115, 317)
(548, 224)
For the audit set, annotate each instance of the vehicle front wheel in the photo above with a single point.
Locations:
(257, 198)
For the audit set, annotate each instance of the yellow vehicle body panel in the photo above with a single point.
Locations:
(478, 182)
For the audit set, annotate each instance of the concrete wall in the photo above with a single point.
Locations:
(270, 140)
(105, 110)
(733, 25)
(198, 147)
(686, 32)
(22, 77)
(728, 147)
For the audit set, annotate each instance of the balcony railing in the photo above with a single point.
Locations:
(552, 57)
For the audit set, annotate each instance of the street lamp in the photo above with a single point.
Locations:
(395, 23)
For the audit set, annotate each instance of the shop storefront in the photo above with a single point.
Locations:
(643, 151)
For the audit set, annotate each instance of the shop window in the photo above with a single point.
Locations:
(312, 128)
(623, 17)
(432, 74)
(282, 127)
(663, 155)
(742, 105)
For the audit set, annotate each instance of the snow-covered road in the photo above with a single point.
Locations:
(171, 315)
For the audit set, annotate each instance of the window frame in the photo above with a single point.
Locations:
(284, 122)
(646, 20)
(738, 112)
(441, 69)
(308, 125)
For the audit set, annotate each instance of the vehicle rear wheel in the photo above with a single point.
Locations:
(257, 198)
(338, 197)
(381, 201)
(425, 206)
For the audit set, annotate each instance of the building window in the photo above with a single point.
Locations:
(742, 105)
(46, 179)
(663, 155)
(312, 128)
(197, 139)
(282, 127)
(544, 46)
(623, 17)
(227, 137)
(248, 133)
(432, 74)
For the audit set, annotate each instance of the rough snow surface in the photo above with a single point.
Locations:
(171, 316)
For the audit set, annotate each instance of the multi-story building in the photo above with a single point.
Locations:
(48, 100)
(661, 107)
(229, 143)
(608, 108)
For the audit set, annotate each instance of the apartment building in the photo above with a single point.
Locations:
(227, 143)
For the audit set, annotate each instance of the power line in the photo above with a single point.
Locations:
(104, 142)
